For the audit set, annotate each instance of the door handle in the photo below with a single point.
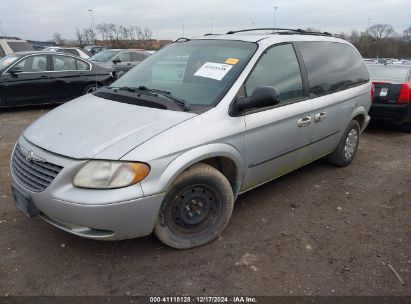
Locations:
(43, 76)
(304, 122)
(320, 116)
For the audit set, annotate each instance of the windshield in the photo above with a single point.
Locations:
(199, 72)
(50, 49)
(6, 61)
(387, 72)
(104, 56)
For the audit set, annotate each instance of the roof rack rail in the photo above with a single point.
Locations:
(282, 31)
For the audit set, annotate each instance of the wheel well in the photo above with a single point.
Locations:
(227, 167)
(360, 119)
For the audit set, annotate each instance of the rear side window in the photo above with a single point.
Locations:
(137, 56)
(332, 67)
(278, 68)
(72, 52)
(64, 63)
(20, 46)
(2, 54)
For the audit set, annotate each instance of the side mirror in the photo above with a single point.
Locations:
(120, 74)
(262, 97)
(15, 70)
(115, 61)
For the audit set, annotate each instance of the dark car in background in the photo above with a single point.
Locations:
(31, 78)
(94, 49)
(118, 59)
(392, 96)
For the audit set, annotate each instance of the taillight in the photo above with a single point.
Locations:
(372, 92)
(405, 94)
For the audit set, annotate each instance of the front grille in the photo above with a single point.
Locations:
(34, 175)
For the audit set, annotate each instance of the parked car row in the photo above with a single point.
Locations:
(32, 78)
(169, 146)
(58, 74)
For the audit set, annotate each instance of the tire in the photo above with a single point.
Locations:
(196, 209)
(90, 88)
(406, 127)
(345, 152)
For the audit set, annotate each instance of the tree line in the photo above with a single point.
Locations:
(110, 35)
(379, 40)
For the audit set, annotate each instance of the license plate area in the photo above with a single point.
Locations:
(24, 203)
(384, 92)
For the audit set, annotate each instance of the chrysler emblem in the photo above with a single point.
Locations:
(31, 157)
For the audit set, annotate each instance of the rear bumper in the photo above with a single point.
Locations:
(397, 113)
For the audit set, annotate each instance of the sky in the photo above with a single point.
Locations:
(170, 19)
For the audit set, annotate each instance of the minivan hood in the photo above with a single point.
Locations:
(93, 127)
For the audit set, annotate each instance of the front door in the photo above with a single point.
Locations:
(31, 85)
(276, 138)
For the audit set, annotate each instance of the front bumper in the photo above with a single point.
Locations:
(97, 214)
(397, 113)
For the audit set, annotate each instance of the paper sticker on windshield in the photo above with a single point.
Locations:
(232, 61)
(213, 70)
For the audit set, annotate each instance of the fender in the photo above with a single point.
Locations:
(191, 157)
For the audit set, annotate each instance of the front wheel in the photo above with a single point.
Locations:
(91, 88)
(196, 209)
(344, 154)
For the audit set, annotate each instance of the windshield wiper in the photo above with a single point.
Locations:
(168, 95)
(155, 92)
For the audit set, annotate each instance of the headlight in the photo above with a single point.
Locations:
(98, 174)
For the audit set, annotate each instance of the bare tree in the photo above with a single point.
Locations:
(58, 39)
(79, 36)
(380, 31)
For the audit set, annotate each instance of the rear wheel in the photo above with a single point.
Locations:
(406, 127)
(196, 209)
(90, 89)
(345, 152)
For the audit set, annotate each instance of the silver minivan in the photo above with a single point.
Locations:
(170, 145)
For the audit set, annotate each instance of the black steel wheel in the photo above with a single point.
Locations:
(196, 209)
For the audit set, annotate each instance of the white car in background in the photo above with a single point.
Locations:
(69, 50)
(10, 45)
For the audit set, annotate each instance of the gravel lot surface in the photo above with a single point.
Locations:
(320, 230)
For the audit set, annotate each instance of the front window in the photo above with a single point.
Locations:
(103, 56)
(6, 61)
(33, 64)
(197, 71)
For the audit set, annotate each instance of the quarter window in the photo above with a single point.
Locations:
(332, 67)
(278, 68)
(33, 64)
(82, 66)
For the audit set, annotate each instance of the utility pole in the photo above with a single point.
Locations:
(92, 23)
(1, 29)
(275, 11)
(212, 25)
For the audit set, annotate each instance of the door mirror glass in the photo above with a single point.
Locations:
(116, 60)
(261, 97)
(120, 74)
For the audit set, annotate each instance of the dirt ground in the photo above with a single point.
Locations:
(318, 231)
